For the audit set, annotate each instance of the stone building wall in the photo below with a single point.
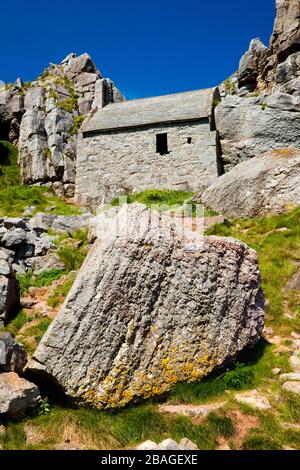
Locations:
(111, 163)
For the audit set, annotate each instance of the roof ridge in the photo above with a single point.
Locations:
(163, 96)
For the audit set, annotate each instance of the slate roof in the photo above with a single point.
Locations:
(186, 106)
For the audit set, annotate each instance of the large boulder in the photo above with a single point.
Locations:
(250, 126)
(266, 184)
(17, 396)
(152, 305)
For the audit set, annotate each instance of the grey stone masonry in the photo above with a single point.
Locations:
(117, 150)
(125, 161)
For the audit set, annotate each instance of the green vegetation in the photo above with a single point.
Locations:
(163, 199)
(44, 279)
(73, 248)
(47, 153)
(15, 197)
(17, 323)
(38, 330)
(60, 292)
(159, 197)
(277, 242)
(254, 373)
(124, 429)
(78, 120)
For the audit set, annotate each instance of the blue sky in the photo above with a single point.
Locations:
(147, 47)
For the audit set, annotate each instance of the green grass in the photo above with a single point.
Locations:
(72, 257)
(157, 197)
(15, 197)
(164, 200)
(17, 323)
(256, 371)
(270, 435)
(38, 330)
(60, 292)
(123, 429)
(44, 279)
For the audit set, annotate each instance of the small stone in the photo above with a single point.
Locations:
(186, 444)
(295, 363)
(14, 236)
(168, 444)
(29, 210)
(292, 387)
(69, 446)
(276, 370)
(193, 411)
(41, 264)
(13, 356)
(16, 222)
(17, 396)
(295, 335)
(253, 399)
(292, 376)
(148, 445)
(4, 268)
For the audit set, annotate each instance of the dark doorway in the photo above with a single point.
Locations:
(162, 144)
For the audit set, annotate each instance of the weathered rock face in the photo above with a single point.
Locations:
(263, 67)
(286, 35)
(55, 106)
(268, 184)
(250, 126)
(13, 356)
(11, 111)
(252, 64)
(17, 396)
(9, 288)
(151, 309)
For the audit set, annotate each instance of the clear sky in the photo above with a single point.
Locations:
(148, 47)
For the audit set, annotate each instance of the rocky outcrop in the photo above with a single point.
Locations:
(13, 356)
(265, 113)
(252, 65)
(11, 110)
(25, 244)
(55, 106)
(263, 67)
(9, 288)
(150, 307)
(286, 35)
(250, 126)
(17, 396)
(267, 184)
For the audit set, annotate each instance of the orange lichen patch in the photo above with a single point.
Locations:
(283, 152)
(177, 364)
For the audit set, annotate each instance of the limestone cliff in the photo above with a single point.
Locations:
(44, 117)
(260, 109)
